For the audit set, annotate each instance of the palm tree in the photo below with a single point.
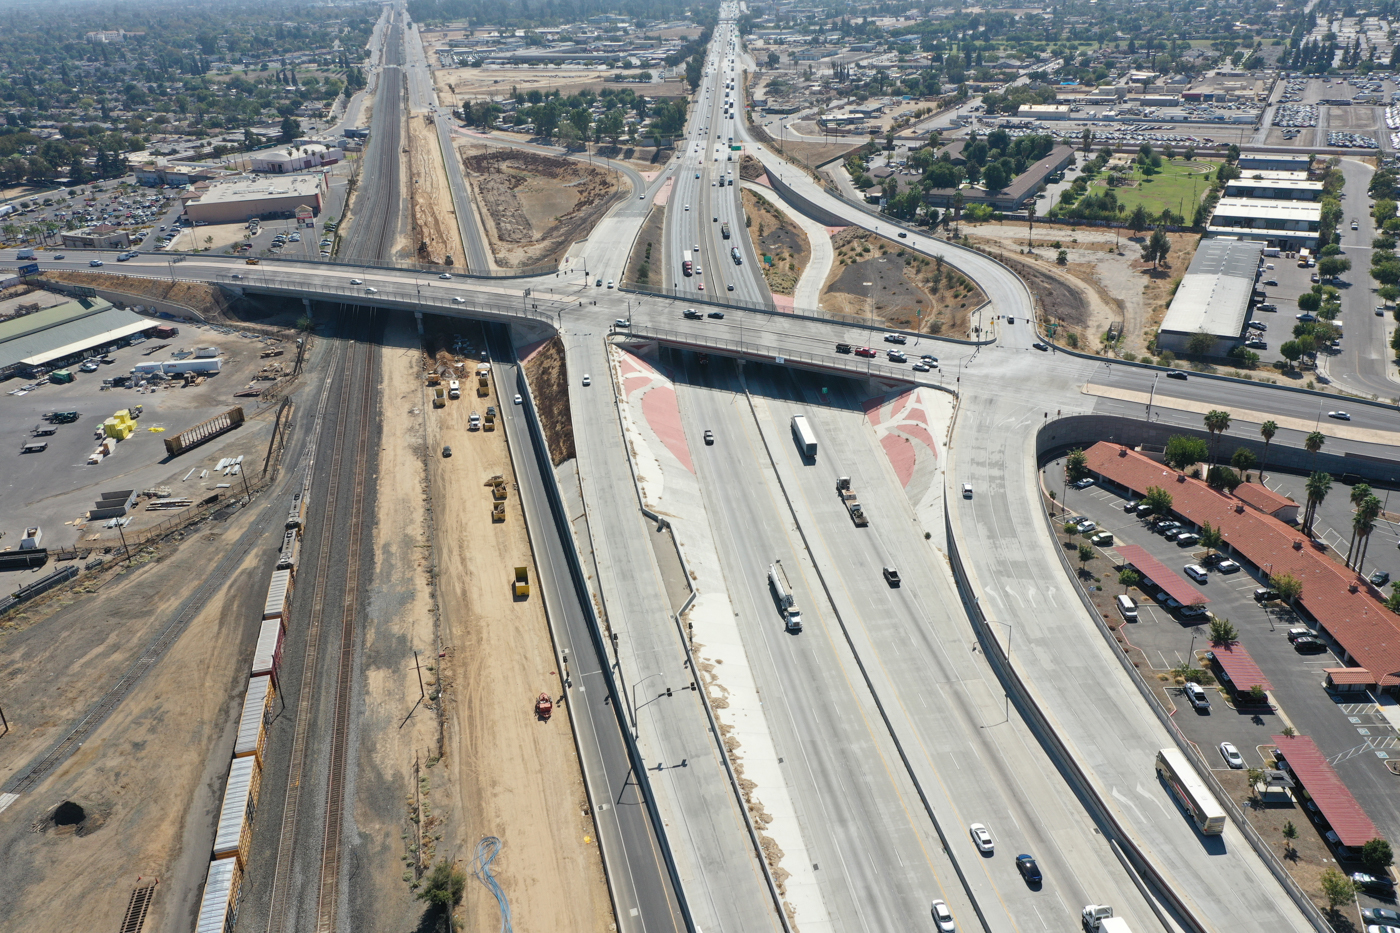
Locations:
(1319, 485)
(1313, 443)
(1267, 430)
(1217, 423)
(1359, 492)
(1364, 523)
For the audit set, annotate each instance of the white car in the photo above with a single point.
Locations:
(1085, 526)
(1227, 566)
(1231, 756)
(518, 399)
(371, 291)
(587, 379)
(356, 282)
(942, 917)
(459, 299)
(445, 276)
(1339, 415)
(1196, 572)
(981, 837)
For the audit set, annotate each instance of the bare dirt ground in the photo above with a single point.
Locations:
(24, 299)
(398, 741)
(645, 250)
(812, 154)
(455, 85)
(750, 169)
(873, 275)
(504, 772)
(208, 300)
(549, 383)
(774, 234)
(149, 778)
(535, 205)
(436, 238)
(1114, 290)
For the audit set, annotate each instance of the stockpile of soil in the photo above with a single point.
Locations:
(549, 384)
(536, 205)
(750, 168)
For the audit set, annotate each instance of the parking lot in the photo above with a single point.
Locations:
(1356, 732)
(54, 488)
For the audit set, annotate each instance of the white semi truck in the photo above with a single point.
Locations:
(782, 592)
(1098, 918)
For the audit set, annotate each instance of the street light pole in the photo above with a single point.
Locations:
(636, 714)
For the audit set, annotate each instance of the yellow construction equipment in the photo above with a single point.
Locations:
(498, 512)
(522, 582)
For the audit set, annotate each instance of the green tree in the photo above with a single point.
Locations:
(1329, 267)
(1200, 344)
(1222, 477)
(1128, 578)
(443, 887)
(1313, 443)
(1076, 465)
(1137, 220)
(1291, 351)
(1217, 423)
(291, 130)
(1158, 500)
(1211, 537)
(1157, 247)
(1319, 484)
(1183, 452)
(1222, 632)
(1377, 856)
(1288, 587)
(1086, 554)
(1244, 460)
(1310, 302)
(1395, 341)
(1337, 888)
(1257, 694)
(1267, 432)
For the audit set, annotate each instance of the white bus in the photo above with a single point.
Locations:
(1191, 792)
(803, 436)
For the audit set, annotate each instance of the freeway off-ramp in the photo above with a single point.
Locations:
(899, 724)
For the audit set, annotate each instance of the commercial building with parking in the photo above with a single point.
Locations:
(246, 198)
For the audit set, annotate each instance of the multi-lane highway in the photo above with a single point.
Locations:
(894, 728)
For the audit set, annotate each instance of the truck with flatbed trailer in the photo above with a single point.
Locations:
(782, 592)
(848, 499)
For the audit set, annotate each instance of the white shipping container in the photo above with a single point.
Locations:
(146, 368)
(236, 814)
(220, 898)
(252, 724)
(269, 649)
(205, 353)
(278, 595)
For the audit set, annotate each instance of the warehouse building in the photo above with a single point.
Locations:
(1213, 297)
(246, 198)
(64, 333)
(1273, 162)
(1043, 112)
(1288, 225)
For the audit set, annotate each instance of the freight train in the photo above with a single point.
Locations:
(233, 833)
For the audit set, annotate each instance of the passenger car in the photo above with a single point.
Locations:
(1176, 374)
(1227, 566)
(1040, 346)
(981, 838)
(717, 315)
(1029, 870)
(942, 917)
(447, 451)
(587, 379)
(1231, 755)
(1374, 883)
(1196, 572)
(1339, 415)
(1309, 645)
(967, 490)
(1086, 526)
(1380, 578)
(444, 276)
(891, 576)
(709, 437)
(1196, 695)
(1084, 483)
(94, 262)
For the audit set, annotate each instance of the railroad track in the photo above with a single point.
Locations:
(376, 214)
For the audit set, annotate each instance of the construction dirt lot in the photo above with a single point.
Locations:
(504, 773)
(873, 275)
(149, 779)
(535, 205)
(1097, 289)
(455, 85)
(436, 237)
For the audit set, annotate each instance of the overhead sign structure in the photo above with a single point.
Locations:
(31, 268)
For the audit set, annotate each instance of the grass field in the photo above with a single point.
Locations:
(1178, 185)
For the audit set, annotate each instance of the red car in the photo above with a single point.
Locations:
(865, 351)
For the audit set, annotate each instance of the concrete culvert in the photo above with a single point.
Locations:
(69, 813)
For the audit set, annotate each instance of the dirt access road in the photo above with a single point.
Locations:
(504, 773)
(433, 219)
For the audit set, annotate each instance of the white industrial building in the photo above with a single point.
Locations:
(1274, 189)
(246, 198)
(1288, 225)
(1213, 297)
(295, 158)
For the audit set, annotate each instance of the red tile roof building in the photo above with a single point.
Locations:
(1340, 601)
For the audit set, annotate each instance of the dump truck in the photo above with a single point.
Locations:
(522, 582)
(483, 384)
(439, 397)
(782, 592)
(724, 230)
(1098, 918)
(848, 499)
